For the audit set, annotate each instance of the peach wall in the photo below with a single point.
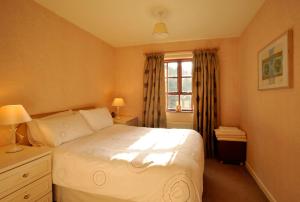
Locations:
(271, 118)
(47, 64)
(130, 65)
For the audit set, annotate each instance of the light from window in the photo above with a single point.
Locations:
(178, 77)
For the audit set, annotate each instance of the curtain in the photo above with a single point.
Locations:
(154, 114)
(206, 96)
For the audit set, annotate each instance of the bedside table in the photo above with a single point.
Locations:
(127, 120)
(26, 175)
(231, 145)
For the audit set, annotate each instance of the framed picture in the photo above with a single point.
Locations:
(275, 63)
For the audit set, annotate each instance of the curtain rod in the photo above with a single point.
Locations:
(178, 51)
(206, 49)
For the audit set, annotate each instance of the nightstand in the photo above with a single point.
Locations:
(26, 175)
(231, 145)
(127, 120)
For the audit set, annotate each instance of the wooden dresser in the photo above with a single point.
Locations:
(26, 175)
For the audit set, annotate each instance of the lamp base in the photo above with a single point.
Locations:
(118, 113)
(14, 148)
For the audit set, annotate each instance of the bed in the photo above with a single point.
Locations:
(127, 163)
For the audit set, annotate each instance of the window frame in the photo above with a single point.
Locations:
(179, 83)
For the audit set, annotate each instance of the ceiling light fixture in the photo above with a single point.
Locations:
(160, 30)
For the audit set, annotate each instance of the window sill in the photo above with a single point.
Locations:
(179, 112)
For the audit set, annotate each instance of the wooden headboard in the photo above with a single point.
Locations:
(22, 128)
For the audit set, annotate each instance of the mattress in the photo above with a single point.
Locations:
(133, 164)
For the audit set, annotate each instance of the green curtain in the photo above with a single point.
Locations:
(206, 96)
(154, 114)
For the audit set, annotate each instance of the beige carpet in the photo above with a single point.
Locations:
(229, 183)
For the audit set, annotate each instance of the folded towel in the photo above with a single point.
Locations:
(229, 132)
(231, 136)
(233, 139)
(228, 128)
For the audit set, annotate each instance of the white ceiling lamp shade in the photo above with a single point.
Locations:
(160, 30)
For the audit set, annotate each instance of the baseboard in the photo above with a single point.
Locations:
(260, 183)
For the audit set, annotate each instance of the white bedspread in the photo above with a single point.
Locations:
(134, 163)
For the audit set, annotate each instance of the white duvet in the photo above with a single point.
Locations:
(133, 163)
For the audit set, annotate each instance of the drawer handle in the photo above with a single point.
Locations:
(26, 196)
(25, 175)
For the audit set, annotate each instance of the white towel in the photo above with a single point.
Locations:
(228, 128)
(233, 139)
(230, 134)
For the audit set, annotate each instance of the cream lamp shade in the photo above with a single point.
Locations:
(160, 30)
(13, 115)
(118, 102)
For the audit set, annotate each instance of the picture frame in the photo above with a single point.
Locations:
(275, 62)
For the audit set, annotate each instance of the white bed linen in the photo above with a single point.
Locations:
(133, 163)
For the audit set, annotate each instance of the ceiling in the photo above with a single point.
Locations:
(130, 22)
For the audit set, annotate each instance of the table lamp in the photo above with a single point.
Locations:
(13, 115)
(118, 102)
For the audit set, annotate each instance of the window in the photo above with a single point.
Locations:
(178, 77)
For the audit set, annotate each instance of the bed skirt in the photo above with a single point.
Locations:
(63, 194)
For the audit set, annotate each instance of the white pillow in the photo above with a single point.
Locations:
(97, 118)
(34, 134)
(62, 129)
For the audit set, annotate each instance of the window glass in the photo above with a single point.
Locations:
(172, 101)
(186, 102)
(186, 68)
(172, 85)
(187, 85)
(172, 69)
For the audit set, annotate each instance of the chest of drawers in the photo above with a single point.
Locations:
(26, 175)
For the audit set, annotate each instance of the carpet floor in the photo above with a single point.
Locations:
(229, 183)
